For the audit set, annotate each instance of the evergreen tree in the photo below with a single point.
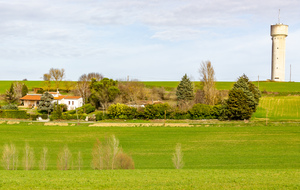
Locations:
(45, 105)
(10, 95)
(24, 90)
(185, 89)
(242, 100)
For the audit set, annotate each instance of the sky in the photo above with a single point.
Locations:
(147, 40)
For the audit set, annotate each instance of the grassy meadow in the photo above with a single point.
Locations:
(169, 85)
(263, 85)
(230, 155)
(279, 107)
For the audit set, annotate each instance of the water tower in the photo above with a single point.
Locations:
(278, 32)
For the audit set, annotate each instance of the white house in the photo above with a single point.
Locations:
(72, 102)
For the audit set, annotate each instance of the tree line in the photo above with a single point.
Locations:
(239, 103)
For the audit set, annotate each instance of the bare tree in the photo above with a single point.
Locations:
(64, 159)
(82, 87)
(10, 157)
(131, 91)
(114, 145)
(18, 89)
(57, 76)
(207, 75)
(97, 161)
(44, 159)
(79, 160)
(110, 156)
(177, 157)
(28, 159)
(96, 76)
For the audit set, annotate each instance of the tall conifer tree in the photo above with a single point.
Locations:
(185, 89)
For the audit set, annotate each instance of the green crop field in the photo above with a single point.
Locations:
(5, 85)
(267, 86)
(230, 155)
(153, 179)
(279, 107)
(169, 85)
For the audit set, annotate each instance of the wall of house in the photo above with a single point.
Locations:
(30, 103)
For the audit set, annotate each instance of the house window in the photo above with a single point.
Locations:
(73, 103)
(69, 102)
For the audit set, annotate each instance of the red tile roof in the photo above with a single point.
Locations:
(59, 97)
(38, 97)
(72, 97)
(31, 97)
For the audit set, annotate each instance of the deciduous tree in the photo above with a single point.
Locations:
(207, 75)
(104, 92)
(56, 75)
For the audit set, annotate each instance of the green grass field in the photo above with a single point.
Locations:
(268, 86)
(153, 179)
(279, 107)
(169, 85)
(230, 155)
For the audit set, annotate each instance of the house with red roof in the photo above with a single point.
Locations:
(72, 102)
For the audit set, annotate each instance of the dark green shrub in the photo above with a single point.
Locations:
(10, 107)
(157, 111)
(203, 111)
(179, 114)
(87, 108)
(100, 116)
(66, 116)
(33, 117)
(15, 114)
(71, 112)
(121, 111)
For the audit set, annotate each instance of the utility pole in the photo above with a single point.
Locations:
(290, 72)
(258, 82)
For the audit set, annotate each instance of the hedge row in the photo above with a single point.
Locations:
(14, 114)
(160, 111)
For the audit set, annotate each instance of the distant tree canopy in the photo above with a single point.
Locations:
(56, 75)
(242, 100)
(185, 89)
(103, 92)
(45, 104)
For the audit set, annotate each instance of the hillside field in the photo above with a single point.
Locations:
(278, 108)
(267, 86)
(169, 85)
(231, 155)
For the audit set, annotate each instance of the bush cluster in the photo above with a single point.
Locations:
(87, 108)
(160, 111)
(10, 107)
(16, 114)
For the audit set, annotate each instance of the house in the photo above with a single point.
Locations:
(72, 102)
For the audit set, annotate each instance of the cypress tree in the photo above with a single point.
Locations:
(185, 89)
(242, 100)
(24, 90)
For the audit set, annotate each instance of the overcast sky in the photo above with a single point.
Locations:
(145, 39)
